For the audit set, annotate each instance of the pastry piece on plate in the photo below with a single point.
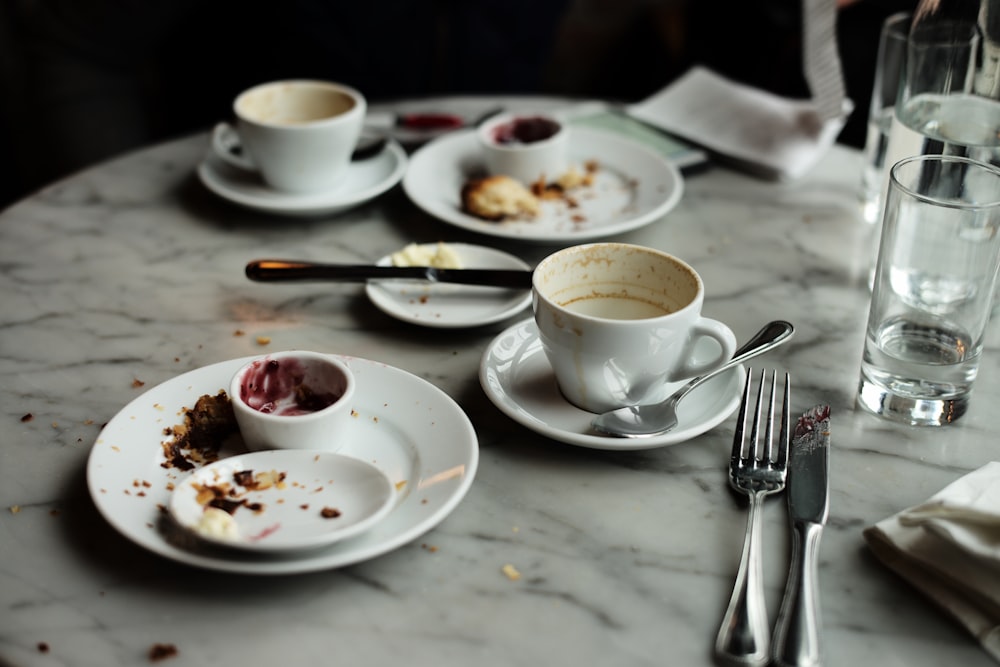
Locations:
(497, 198)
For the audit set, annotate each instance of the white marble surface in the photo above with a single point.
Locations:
(131, 271)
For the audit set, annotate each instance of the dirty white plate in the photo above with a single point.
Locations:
(452, 305)
(633, 187)
(407, 427)
(283, 500)
(517, 377)
(365, 180)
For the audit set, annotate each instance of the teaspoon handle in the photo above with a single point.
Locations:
(769, 337)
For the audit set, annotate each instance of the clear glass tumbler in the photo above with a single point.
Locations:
(933, 289)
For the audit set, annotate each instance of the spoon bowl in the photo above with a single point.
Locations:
(645, 421)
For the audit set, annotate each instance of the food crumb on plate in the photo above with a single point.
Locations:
(510, 572)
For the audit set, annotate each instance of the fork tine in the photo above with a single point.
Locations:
(784, 436)
(755, 429)
(741, 417)
(769, 432)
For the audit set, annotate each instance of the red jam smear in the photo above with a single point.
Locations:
(279, 388)
(526, 130)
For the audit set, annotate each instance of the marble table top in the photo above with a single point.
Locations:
(130, 273)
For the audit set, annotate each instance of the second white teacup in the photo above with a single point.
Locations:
(298, 134)
(618, 322)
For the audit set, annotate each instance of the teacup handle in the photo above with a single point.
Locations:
(227, 145)
(705, 328)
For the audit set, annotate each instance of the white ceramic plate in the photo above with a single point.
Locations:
(633, 187)
(411, 430)
(517, 377)
(452, 305)
(286, 500)
(365, 180)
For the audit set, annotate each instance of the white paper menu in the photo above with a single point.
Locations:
(773, 136)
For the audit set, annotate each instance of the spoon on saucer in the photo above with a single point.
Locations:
(644, 421)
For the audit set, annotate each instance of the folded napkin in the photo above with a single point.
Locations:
(949, 549)
(768, 135)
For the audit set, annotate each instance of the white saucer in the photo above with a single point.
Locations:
(411, 430)
(365, 180)
(518, 379)
(452, 305)
(293, 499)
(633, 187)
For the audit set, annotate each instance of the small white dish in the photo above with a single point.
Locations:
(414, 432)
(633, 187)
(293, 400)
(524, 146)
(365, 180)
(517, 377)
(450, 306)
(307, 499)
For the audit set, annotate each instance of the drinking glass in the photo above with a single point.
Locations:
(888, 76)
(933, 289)
(938, 110)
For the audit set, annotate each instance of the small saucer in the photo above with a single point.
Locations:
(284, 500)
(517, 377)
(365, 180)
(452, 305)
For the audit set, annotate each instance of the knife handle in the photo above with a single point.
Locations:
(285, 270)
(796, 635)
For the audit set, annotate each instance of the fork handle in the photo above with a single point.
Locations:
(744, 634)
(796, 634)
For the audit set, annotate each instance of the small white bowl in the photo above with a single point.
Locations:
(524, 146)
(293, 400)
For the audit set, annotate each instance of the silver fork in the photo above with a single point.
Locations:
(757, 468)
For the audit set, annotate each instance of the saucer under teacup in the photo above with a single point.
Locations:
(518, 379)
(234, 179)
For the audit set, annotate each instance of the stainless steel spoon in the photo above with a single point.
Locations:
(644, 421)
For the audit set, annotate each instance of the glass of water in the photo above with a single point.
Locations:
(933, 290)
(888, 76)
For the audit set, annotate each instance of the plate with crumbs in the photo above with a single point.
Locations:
(627, 186)
(282, 500)
(408, 428)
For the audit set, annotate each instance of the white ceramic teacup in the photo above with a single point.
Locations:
(525, 146)
(293, 400)
(618, 322)
(299, 134)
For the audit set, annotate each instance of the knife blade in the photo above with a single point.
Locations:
(282, 270)
(796, 641)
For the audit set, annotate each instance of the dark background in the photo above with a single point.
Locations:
(83, 80)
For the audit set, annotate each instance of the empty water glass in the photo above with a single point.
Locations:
(933, 290)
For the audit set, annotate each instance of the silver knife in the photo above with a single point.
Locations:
(282, 270)
(796, 641)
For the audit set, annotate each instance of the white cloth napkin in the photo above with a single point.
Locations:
(765, 134)
(949, 548)
(768, 135)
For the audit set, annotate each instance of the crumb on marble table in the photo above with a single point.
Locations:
(159, 652)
